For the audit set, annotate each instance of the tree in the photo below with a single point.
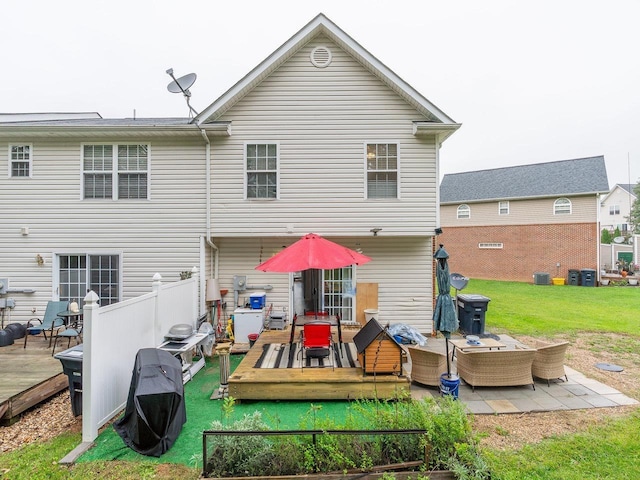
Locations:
(634, 215)
(605, 236)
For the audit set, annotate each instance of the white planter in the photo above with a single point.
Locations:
(604, 282)
(633, 281)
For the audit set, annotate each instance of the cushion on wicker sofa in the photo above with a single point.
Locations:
(427, 365)
(496, 368)
(548, 362)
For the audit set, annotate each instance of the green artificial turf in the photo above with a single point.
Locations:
(201, 411)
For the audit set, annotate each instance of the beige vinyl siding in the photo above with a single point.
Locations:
(522, 212)
(402, 267)
(160, 235)
(321, 119)
(621, 198)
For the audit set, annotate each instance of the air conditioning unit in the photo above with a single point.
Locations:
(541, 279)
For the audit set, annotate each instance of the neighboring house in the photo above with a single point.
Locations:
(510, 223)
(615, 208)
(320, 137)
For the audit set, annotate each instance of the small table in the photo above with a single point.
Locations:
(463, 345)
(71, 319)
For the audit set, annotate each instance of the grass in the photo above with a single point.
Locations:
(609, 450)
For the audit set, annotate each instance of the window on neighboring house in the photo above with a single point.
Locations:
(382, 170)
(503, 208)
(614, 210)
(80, 273)
(562, 206)
(261, 160)
(110, 168)
(20, 163)
(464, 211)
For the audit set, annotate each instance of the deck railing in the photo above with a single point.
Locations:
(112, 336)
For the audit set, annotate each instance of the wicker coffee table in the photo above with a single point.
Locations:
(484, 343)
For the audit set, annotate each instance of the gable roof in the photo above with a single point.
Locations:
(625, 187)
(581, 176)
(322, 25)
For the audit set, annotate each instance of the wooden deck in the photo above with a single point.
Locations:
(249, 383)
(28, 376)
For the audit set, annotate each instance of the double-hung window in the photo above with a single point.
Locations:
(261, 160)
(20, 160)
(115, 172)
(382, 170)
(614, 209)
(503, 208)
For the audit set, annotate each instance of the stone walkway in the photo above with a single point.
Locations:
(578, 392)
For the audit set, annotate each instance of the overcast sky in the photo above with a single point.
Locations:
(530, 81)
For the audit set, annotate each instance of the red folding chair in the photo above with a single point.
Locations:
(317, 342)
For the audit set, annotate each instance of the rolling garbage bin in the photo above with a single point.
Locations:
(588, 277)
(471, 313)
(71, 360)
(574, 277)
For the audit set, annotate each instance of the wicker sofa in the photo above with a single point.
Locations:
(427, 365)
(496, 368)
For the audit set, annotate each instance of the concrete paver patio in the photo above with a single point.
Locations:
(579, 392)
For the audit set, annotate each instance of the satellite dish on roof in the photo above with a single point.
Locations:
(182, 85)
(618, 240)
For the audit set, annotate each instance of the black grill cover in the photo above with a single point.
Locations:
(155, 411)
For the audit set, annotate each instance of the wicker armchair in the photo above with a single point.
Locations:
(548, 362)
(496, 368)
(427, 365)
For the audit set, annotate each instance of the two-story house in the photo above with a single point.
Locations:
(510, 223)
(320, 137)
(616, 207)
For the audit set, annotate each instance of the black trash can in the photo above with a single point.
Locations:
(573, 277)
(471, 313)
(71, 360)
(588, 277)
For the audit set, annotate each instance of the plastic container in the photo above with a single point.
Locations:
(574, 277)
(252, 339)
(588, 277)
(258, 300)
(557, 281)
(471, 313)
(449, 384)
(370, 313)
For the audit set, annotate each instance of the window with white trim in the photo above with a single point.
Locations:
(20, 160)
(562, 206)
(382, 170)
(116, 172)
(614, 209)
(503, 208)
(79, 273)
(261, 161)
(464, 211)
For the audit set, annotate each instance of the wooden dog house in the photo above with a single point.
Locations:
(378, 351)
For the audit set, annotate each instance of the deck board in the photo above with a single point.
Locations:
(28, 376)
(249, 383)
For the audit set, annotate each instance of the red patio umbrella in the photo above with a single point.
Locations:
(312, 251)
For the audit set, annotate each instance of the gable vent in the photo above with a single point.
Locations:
(321, 57)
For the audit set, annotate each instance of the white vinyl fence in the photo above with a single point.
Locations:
(112, 336)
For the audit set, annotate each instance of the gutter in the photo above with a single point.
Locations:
(214, 247)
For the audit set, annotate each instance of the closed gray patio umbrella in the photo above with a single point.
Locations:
(444, 316)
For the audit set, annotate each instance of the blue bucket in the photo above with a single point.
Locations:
(449, 385)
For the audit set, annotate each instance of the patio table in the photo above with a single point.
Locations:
(483, 343)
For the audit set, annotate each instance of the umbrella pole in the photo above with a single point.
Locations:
(446, 342)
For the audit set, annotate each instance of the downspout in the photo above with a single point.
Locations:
(598, 219)
(214, 247)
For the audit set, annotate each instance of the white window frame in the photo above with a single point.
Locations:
(503, 207)
(562, 206)
(614, 209)
(82, 277)
(463, 208)
(370, 156)
(28, 161)
(115, 171)
(267, 171)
